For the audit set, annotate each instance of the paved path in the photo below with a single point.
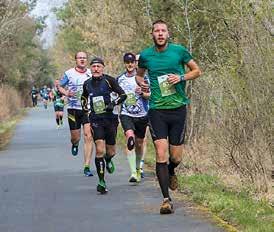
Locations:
(42, 189)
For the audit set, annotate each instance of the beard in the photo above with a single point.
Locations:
(162, 45)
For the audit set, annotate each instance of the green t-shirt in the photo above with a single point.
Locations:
(158, 65)
(58, 101)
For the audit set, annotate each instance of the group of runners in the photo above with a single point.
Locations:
(47, 94)
(150, 93)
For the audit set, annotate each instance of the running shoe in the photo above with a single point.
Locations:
(130, 143)
(87, 171)
(173, 182)
(101, 187)
(110, 166)
(133, 178)
(74, 149)
(166, 207)
(57, 127)
(138, 171)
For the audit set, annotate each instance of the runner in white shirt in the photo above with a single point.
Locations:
(74, 79)
(133, 116)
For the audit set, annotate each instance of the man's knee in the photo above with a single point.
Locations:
(100, 150)
(175, 159)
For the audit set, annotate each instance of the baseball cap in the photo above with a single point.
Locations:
(129, 57)
(97, 60)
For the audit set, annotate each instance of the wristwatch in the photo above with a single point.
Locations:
(182, 77)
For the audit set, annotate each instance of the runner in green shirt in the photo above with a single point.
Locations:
(165, 63)
(58, 103)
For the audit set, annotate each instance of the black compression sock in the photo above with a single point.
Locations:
(61, 119)
(171, 167)
(100, 167)
(108, 157)
(57, 121)
(163, 178)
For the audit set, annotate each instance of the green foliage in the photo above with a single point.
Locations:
(73, 41)
(20, 48)
(40, 24)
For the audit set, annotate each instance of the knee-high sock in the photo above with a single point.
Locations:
(57, 121)
(138, 160)
(171, 167)
(163, 178)
(100, 167)
(131, 157)
(108, 157)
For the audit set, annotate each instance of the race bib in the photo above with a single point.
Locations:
(98, 105)
(166, 88)
(131, 100)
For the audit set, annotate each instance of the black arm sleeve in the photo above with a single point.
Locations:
(84, 98)
(117, 89)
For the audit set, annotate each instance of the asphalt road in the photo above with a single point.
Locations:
(42, 189)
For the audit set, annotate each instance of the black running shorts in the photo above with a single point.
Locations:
(58, 108)
(105, 129)
(76, 118)
(169, 124)
(137, 124)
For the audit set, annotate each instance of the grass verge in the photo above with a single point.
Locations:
(7, 128)
(229, 208)
(236, 208)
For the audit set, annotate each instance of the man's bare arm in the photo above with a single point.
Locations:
(140, 79)
(64, 91)
(193, 73)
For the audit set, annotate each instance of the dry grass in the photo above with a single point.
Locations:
(203, 158)
(11, 102)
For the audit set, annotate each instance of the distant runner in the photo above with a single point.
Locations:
(34, 96)
(44, 93)
(58, 102)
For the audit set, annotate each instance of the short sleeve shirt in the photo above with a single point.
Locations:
(158, 64)
(135, 105)
(74, 80)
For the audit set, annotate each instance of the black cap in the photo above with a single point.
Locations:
(97, 60)
(129, 57)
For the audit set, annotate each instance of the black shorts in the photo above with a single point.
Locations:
(169, 124)
(58, 108)
(137, 124)
(105, 129)
(76, 118)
